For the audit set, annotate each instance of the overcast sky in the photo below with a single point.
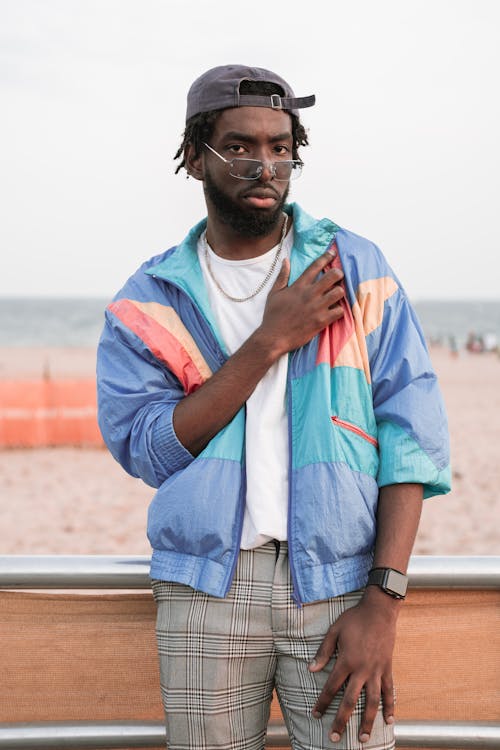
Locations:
(404, 135)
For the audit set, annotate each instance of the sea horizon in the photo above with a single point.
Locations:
(60, 321)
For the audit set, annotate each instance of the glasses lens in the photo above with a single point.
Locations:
(251, 169)
(287, 170)
(246, 169)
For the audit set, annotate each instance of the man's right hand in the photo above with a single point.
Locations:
(295, 314)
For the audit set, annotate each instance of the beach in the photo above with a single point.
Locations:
(78, 500)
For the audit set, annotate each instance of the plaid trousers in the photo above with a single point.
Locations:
(220, 660)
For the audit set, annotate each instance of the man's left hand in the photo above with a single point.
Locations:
(364, 638)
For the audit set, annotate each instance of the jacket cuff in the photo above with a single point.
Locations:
(403, 461)
(166, 443)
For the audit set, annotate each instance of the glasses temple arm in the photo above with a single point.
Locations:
(215, 152)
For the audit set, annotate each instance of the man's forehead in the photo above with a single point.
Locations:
(253, 120)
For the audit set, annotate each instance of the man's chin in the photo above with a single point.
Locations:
(254, 222)
(249, 221)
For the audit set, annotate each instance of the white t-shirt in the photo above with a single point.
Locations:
(266, 437)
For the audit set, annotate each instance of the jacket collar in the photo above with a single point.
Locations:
(311, 238)
(182, 267)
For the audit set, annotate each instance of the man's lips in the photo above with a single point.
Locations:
(261, 198)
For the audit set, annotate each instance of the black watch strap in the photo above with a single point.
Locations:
(393, 582)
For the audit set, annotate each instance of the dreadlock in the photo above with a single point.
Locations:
(199, 129)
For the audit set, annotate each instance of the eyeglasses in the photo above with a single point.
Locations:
(251, 169)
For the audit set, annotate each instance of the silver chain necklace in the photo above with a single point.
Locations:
(262, 283)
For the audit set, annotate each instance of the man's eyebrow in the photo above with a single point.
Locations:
(233, 135)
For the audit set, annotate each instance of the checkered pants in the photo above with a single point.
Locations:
(220, 660)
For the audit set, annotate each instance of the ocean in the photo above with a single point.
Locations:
(78, 322)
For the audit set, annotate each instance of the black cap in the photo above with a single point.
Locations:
(219, 88)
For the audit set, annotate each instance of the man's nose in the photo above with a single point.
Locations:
(268, 171)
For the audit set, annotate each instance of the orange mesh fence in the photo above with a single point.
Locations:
(92, 657)
(70, 657)
(447, 658)
(48, 412)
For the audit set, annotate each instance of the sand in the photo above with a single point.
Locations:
(79, 501)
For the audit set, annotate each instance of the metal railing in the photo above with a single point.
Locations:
(117, 572)
(105, 735)
(114, 571)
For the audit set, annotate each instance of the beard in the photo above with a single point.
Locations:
(246, 222)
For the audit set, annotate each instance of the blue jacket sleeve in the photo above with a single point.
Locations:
(136, 399)
(409, 409)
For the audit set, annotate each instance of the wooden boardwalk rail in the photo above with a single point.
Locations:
(79, 666)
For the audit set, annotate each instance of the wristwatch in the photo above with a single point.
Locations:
(393, 582)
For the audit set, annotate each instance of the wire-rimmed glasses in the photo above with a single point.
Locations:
(251, 169)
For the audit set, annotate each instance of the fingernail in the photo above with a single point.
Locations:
(335, 737)
(316, 714)
(364, 737)
(333, 253)
(389, 720)
(312, 663)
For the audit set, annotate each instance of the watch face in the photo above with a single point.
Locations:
(396, 582)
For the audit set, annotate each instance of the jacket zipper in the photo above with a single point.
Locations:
(291, 562)
(354, 428)
(295, 587)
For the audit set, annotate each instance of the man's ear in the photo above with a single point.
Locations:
(194, 164)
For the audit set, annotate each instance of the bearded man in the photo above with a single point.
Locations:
(268, 376)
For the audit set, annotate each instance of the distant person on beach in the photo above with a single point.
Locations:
(453, 345)
(269, 378)
(474, 343)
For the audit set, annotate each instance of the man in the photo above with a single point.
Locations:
(269, 377)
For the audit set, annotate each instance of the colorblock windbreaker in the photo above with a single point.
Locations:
(364, 411)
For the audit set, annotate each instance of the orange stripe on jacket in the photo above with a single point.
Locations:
(334, 339)
(343, 343)
(371, 296)
(367, 312)
(168, 339)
